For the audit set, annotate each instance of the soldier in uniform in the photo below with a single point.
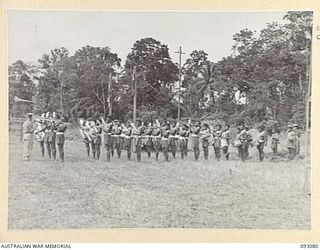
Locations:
(297, 140)
(107, 137)
(95, 132)
(275, 140)
(205, 136)
(60, 137)
(291, 142)
(84, 131)
(217, 141)
(28, 128)
(196, 140)
(249, 141)
(156, 133)
(128, 139)
(225, 141)
(244, 143)
(138, 132)
(165, 141)
(50, 138)
(261, 142)
(245, 139)
(92, 133)
(238, 143)
(172, 138)
(184, 134)
(117, 141)
(39, 132)
(148, 134)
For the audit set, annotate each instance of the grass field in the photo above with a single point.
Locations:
(86, 193)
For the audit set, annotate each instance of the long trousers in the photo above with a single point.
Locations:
(93, 149)
(41, 143)
(129, 153)
(183, 149)
(275, 149)
(108, 150)
(157, 150)
(173, 147)
(206, 152)
(157, 146)
(261, 153)
(87, 145)
(61, 151)
(157, 154)
(51, 148)
(166, 153)
(128, 147)
(187, 146)
(27, 147)
(239, 152)
(196, 151)
(118, 149)
(225, 151)
(138, 151)
(274, 146)
(217, 152)
(112, 150)
(96, 151)
(292, 152)
(244, 151)
(149, 147)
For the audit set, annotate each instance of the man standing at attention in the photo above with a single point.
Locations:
(165, 141)
(225, 141)
(117, 141)
(184, 134)
(28, 128)
(291, 142)
(217, 141)
(261, 142)
(61, 128)
(138, 132)
(50, 138)
(39, 132)
(128, 138)
(107, 137)
(205, 136)
(196, 140)
(156, 133)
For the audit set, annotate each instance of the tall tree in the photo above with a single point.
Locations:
(197, 75)
(50, 87)
(96, 69)
(155, 71)
(21, 82)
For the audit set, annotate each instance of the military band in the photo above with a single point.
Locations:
(155, 137)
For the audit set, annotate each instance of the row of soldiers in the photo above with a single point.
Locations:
(49, 131)
(116, 136)
(171, 136)
(166, 137)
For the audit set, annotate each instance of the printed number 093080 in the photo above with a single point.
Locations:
(308, 245)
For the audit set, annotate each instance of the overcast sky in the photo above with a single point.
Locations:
(33, 33)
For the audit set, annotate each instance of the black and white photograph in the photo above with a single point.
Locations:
(159, 119)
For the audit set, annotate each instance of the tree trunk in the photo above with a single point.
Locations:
(104, 111)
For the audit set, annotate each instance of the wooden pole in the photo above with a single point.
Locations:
(61, 86)
(109, 94)
(179, 92)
